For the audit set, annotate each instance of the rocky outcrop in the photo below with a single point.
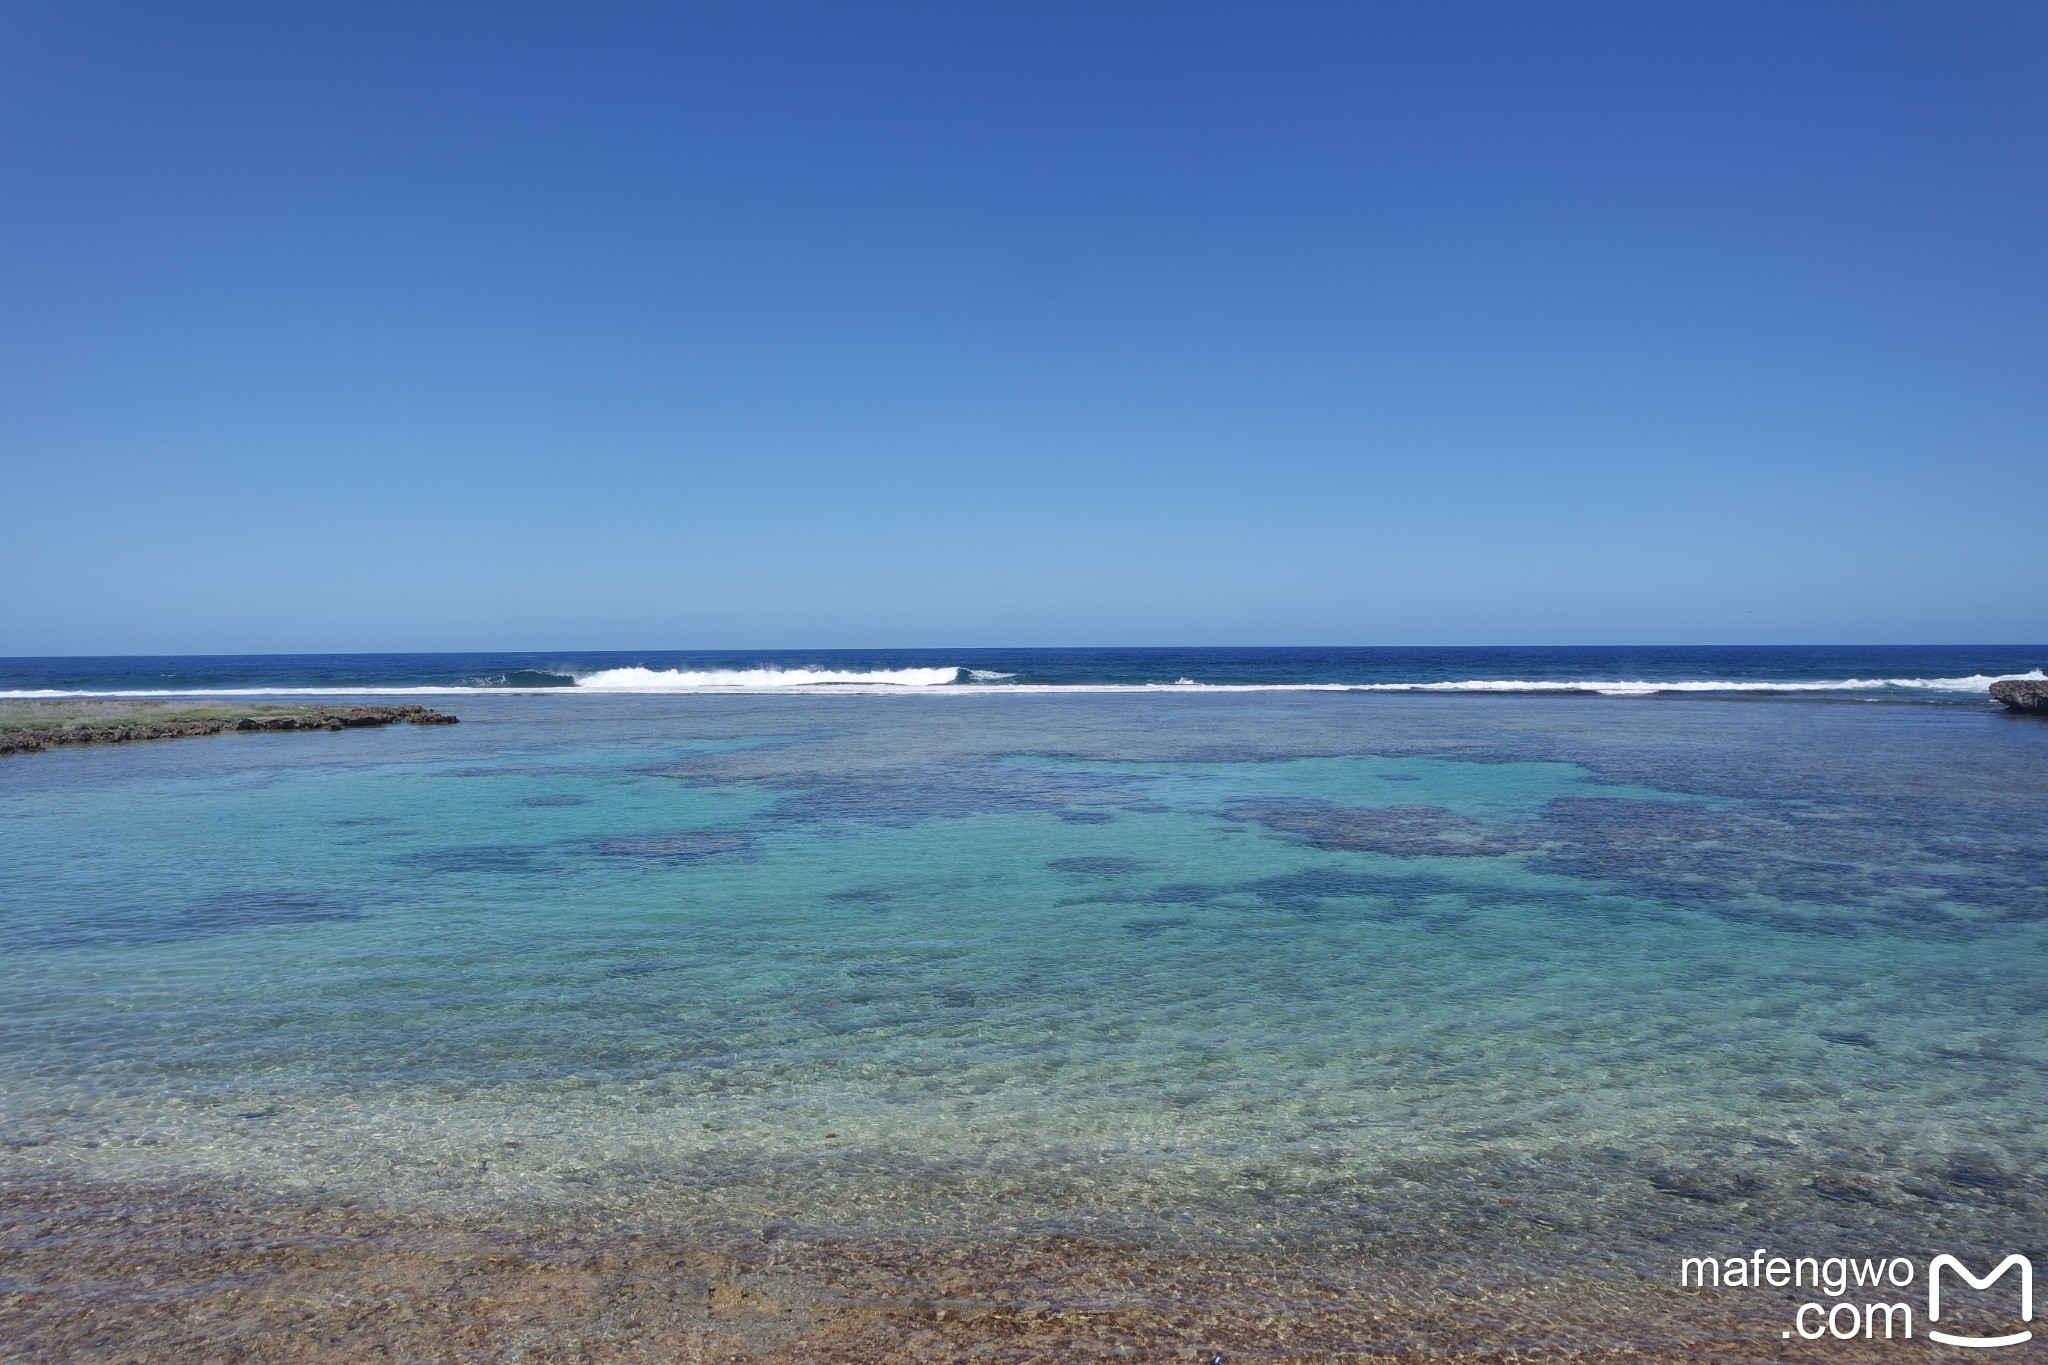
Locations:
(2022, 694)
(311, 718)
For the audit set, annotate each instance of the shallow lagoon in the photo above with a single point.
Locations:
(1547, 981)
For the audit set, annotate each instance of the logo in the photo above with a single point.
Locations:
(1934, 1269)
(1857, 1288)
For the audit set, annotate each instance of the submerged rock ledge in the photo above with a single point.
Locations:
(24, 731)
(2022, 694)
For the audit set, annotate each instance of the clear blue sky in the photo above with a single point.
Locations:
(356, 326)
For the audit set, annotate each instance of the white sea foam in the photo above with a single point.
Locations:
(758, 679)
(1642, 688)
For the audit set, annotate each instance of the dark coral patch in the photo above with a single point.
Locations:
(226, 913)
(1104, 866)
(1147, 928)
(234, 910)
(501, 860)
(1402, 831)
(691, 847)
(1799, 869)
(951, 791)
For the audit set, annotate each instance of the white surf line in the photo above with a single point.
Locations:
(869, 686)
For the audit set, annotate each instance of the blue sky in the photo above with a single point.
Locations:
(390, 326)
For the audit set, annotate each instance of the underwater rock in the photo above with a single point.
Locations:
(1706, 1184)
(1849, 1038)
(1976, 1172)
(2022, 694)
(1846, 1189)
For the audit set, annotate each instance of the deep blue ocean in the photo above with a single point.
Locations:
(1528, 985)
(1917, 672)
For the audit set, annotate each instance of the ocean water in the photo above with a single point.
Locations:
(1887, 672)
(1522, 980)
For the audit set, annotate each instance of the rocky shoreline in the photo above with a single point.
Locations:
(2029, 695)
(29, 733)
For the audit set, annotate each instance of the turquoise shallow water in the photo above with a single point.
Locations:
(1603, 978)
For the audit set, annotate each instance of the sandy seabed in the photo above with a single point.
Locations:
(124, 1273)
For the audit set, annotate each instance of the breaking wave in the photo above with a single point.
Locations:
(751, 679)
